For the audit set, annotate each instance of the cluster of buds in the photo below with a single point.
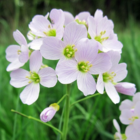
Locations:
(86, 46)
(130, 115)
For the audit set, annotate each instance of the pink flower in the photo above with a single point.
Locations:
(129, 116)
(87, 62)
(18, 55)
(41, 27)
(101, 30)
(54, 49)
(48, 113)
(21, 77)
(115, 74)
(133, 131)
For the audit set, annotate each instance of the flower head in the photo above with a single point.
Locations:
(48, 113)
(18, 55)
(45, 76)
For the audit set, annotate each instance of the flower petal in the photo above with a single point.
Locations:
(86, 83)
(98, 13)
(100, 84)
(20, 39)
(12, 52)
(47, 77)
(74, 32)
(116, 125)
(101, 64)
(126, 88)
(52, 48)
(126, 104)
(67, 71)
(18, 78)
(36, 44)
(87, 50)
(24, 56)
(35, 61)
(68, 17)
(120, 71)
(126, 116)
(83, 16)
(112, 93)
(30, 94)
(14, 65)
(136, 97)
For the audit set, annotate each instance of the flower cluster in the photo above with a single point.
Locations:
(130, 115)
(87, 50)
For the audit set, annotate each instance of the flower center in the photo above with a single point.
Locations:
(34, 77)
(99, 38)
(84, 66)
(51, 32)
(18, 52)
(133, 118)
(109, 77)
(69, 51)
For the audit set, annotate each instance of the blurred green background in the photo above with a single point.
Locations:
(89, 120)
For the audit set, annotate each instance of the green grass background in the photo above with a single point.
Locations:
(89, 120)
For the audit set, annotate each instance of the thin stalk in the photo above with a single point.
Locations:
(62, 98)
(66, 114)
(32, 118)
(85, 98)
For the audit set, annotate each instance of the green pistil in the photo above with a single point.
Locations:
(31, 34)
(51, 32)
(34, 77)
(84, 66)
(99, 38)
(133, 118)
(124, 137)
(109, 77)
(69, 51)
(81, 22)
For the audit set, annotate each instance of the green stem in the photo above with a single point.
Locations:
(30, 117)
(85, 98)
(66, 114)
(62, 98)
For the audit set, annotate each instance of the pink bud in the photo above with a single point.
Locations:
(48, 113)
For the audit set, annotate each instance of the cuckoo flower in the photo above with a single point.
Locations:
(81, 18)
(128, 116)
(110, 79)
(133, 131)
(45, 76)
(101, 30)
(41, 27)
(18, 55)
(54, 49)
(87, 62)
(48, 113)
(118, 135)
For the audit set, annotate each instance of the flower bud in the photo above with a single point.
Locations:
(48, 113)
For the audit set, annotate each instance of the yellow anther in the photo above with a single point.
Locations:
(83, 67)
(75, 50)
(30, 82)
(68, 55)
(73, 46)
(49, 26)
(27, 77)
(87, 62)
(70, 52)
(67, 50)
(37, 80)
(90, 65)
(19, 52)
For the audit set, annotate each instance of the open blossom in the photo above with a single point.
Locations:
(87, 62)
(41, 27)
(81, 18)
(101, 29)
(18, 55)
(48, 113)
(129, 116)
(54, 49)
(45, 76)
(133, 131)
(115, 74)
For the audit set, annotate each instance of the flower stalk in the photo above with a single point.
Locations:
(66, 114)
